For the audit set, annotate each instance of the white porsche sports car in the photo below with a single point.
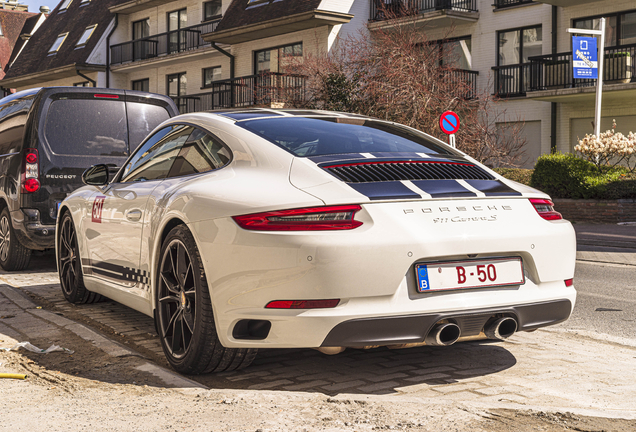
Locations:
(286, 228)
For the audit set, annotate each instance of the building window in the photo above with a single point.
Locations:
(82, 84)
(514, 49)
(274, 59)
(455, 53)
(141, 29)
(86, 35)
(65, 4)
(177, 39)
(58, 43)
(517, 46)
(620, 28)
(141, 85)
(211, 10)
(210, 75)
(177, 86)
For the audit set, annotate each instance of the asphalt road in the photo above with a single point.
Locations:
(606, 301)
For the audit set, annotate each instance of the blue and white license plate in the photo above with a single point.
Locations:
(452, 275)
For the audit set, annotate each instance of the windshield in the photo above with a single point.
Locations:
(303, 136)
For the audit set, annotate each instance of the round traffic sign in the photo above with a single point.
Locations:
(449, 122)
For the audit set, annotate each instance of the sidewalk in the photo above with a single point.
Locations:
(614, 244)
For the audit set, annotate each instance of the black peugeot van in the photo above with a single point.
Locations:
(48, 136)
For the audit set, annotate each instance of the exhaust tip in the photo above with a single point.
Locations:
(443, 335)
(501, 328)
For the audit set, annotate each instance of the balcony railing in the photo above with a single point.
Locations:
(387, 9)
(465, 81)
(499, 4)
(176, 41)
(261, 89)
(554, 71)
(512, 80)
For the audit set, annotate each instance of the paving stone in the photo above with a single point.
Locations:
(343, 385)
(379, 386)
(270, 385)
(306, 385)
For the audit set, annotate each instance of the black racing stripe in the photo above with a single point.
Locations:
(336, 158)
(115, 271)
(385, 190)
(443, 188)
(493, 188)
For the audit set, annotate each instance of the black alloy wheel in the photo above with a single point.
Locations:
(183, 311)
(69, 265)
(13, 255)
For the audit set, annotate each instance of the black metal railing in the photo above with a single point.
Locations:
(512, 80)
(387, 9)
(176, 41)
(465, 81)
(507, 3)
(554, 71)
(261, 89)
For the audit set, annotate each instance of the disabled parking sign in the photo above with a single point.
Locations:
(585, 57)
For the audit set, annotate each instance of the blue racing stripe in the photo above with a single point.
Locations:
(443, 188)
(385, 190)
(493, 187)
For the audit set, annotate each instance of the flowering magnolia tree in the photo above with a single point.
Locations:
(610, 148)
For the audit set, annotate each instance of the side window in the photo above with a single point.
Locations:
(155, 157)
(11, 140)
(202, 152)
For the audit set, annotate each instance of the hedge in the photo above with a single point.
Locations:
(567, 176)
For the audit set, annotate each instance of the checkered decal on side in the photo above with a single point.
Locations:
(119, 274)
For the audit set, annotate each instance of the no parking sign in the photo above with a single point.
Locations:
(449, 124)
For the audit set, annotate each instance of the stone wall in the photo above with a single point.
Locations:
(597, 211)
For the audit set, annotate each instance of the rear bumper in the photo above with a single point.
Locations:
(414, 328)
(32, 235)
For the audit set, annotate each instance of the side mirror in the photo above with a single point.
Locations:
(97, 175)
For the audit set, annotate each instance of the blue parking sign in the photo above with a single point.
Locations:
(585, 57)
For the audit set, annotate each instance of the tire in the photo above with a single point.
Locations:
(69, 265)
(184, 316)
(13, 255)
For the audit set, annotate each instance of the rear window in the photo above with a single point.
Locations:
(323, 136)
(142, 119)
(87, 127)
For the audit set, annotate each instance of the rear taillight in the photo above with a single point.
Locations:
(106, 96)
(30, 171)
(545, 208)
(305, 219)
(303, 304)
(569, 282)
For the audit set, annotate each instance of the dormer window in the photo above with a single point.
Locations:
(86, 35)
(58, 43)
(65, 4)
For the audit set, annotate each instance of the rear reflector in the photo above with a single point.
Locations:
(306, 219)
(545, 208)
(303, 304)
(569, 282)
(106, 96)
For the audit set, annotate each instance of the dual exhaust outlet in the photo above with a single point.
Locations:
(448, 333)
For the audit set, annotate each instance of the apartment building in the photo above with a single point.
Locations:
(209, 54)
(16, 26)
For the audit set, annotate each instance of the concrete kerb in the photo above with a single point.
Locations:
(108, 346)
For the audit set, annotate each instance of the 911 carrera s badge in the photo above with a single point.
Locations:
(98, 205)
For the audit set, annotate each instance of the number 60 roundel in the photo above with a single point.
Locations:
(98, 206)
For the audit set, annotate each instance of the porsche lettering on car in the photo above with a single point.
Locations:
(258, 228)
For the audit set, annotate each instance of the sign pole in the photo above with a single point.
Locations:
(451, 140)
(599, 82)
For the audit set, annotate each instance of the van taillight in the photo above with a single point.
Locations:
(31, 171)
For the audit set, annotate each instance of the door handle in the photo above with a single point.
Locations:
(133, 215)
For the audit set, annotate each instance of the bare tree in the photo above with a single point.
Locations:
(397, 74)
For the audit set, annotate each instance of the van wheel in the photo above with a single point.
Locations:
(69, 265)
(13, 255)
(184, 312)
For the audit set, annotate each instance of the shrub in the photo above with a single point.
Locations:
(566, 176)
(519, 175)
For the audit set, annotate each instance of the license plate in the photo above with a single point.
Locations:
(452, 275)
